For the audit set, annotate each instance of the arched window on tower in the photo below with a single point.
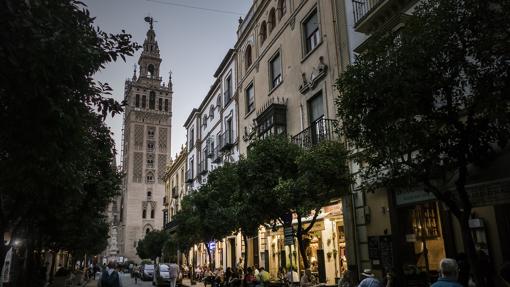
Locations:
(263, 33)
(137, 101)
(144, 101)
(150, 69)
(144, 213)
(160, 104)
(247, 57)
(152, 100)
(152, 213)
(147, 231)
(282, 8)
(166, 105)
(271, 22)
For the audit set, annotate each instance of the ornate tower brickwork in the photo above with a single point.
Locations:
(146, 148)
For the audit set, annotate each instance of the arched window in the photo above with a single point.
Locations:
(152, 100)
(144, 213)
(150, 69)
(137, 101)
(271, 22)
(144, 101)
(147, 231)
(263, 32)
(149, 194)
(166, 105)
(282, 8)
(152, 213)
(247, 57)
(160, 104)
(150, 177)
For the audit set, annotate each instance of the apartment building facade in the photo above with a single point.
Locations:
(412, 230)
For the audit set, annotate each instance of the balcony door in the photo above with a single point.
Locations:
(315, 117)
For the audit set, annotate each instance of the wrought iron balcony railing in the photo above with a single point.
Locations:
(189, 176)
(318, 131)
(362, 8)
(226, 140)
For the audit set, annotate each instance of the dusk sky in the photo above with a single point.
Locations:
(193, 37)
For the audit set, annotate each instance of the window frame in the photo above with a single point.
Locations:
(272, 80)
(247, 98)
(308, 44)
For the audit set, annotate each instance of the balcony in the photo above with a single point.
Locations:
(216, 155)
(202, 167)
(175, 193)
(226, 140)
(165, 201)
(369, 15)
(189, 176)
(318, 131)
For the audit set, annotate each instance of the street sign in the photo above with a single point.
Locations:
(289, 235)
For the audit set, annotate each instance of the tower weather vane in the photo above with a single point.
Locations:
(149, 20)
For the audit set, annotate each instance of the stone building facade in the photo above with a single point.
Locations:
(146, 148)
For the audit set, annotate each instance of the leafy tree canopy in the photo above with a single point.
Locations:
(151, 245)
(423, 103)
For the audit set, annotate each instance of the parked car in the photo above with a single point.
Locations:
(162, 275)
(147, 272)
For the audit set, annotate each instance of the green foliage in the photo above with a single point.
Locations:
(277, 178)
(57, 166)
(151, 245)
(423, 103)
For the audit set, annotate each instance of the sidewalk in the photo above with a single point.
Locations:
(186, 282)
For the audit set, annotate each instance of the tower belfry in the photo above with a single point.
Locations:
(146, 147)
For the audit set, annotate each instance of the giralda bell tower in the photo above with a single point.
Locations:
(145, 149)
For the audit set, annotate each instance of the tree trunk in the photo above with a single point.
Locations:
(211, 264)
(469, 248)
(301, 244)
(245, 239)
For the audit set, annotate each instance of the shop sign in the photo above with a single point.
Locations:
(289, 235)
(413, 196)
(489, 193)
(380, 251)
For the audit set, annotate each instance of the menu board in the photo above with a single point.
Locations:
(386, 252)
(380, 251)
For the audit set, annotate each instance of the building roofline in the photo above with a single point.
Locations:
(188, 120)
(224, 62)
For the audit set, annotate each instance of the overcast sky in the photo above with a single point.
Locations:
(193, 36)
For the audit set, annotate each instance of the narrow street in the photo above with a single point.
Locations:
(127, 281)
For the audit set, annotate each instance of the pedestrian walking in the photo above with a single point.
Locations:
(369, 279)
(448, 273)
(109, 277)
(136, 273)
(173, 272)
(347, 279)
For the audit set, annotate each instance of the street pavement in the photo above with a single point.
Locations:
(127, 281)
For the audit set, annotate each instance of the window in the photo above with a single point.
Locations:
(211, 111)
(152, 213)
(166, 105)
(315, 108)
(144, 213)
(271, 22)
(160, 104)
(150, 177)
(204, 121)
(149, 195)
(275, 71)
(150, 146)
(263, 32)
(191, 138)
(150, 132)
(147, 231)
(144, 101)
(282, 8)
(311, 32)
(250, 99)
(247, 57)
(150, 69)
(137, 101)
(228, 89)
(150, 161)
(152, 100)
